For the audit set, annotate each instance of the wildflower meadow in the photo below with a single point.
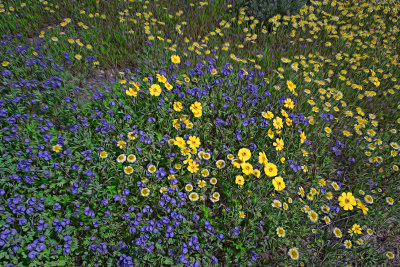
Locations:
(192, 133)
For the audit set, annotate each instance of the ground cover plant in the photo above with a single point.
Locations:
(178, 133)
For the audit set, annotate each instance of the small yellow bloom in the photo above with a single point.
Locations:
(279, 144)
(121, 144)
(57, 148)
(262, 158)
(294, 253)
(193, 167)
(239, 180)
(175, 59)
(145, 192)
(291, 85)
(270, 170)
(193, 196)
(178, 106)
(155, 90)
(244, 154)
(247, 168)
(347, 201)
(278, 183)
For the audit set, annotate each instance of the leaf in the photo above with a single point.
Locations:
(205, 211)
(168, 261)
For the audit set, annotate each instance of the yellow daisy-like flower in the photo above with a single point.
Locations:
(145, 192)
(389, 255)
(131, 158)
(121, 144)
(247, 168)
(220, 164)
(294, 253)
(328, 130)
(271, 133)
(268, 115)
(128, 170)
(290, 85)
(270, 170)
(356, 229)
(103, 154)
(161, 78)
(256, 173)
(200, 154)
(132, 136)
(151, 168)
(262, 158)
(213, 200)
(57, 148)
(216, 195)
(348, 244)
(155, 90)
(178, 166)
(289, 103)
(362, 207)
(188, 160)
(302, 137)
(121, 158)
(244, 154)
(313, 216)
(390, 201)
(280, 231)
(176, 124)
(213, 181)
(335, 186)
(196, 108)
(131, 92)
(239, 180)
(163, 190)
(347, 201)
(180, 142)
(175, 59)
(205, 173)
(189, 187)
(278, 123)
(242, 215)
(201, 183)
(369, 199)
(279, 144)
(278, 183)
(276, 203)
(178, 106)
(193, 142)
(337, 232)
(327, 220)
(193, 167)
(193, 196)
(206, 156)
(325, 209)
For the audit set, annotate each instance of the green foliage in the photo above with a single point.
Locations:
(266, 9)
